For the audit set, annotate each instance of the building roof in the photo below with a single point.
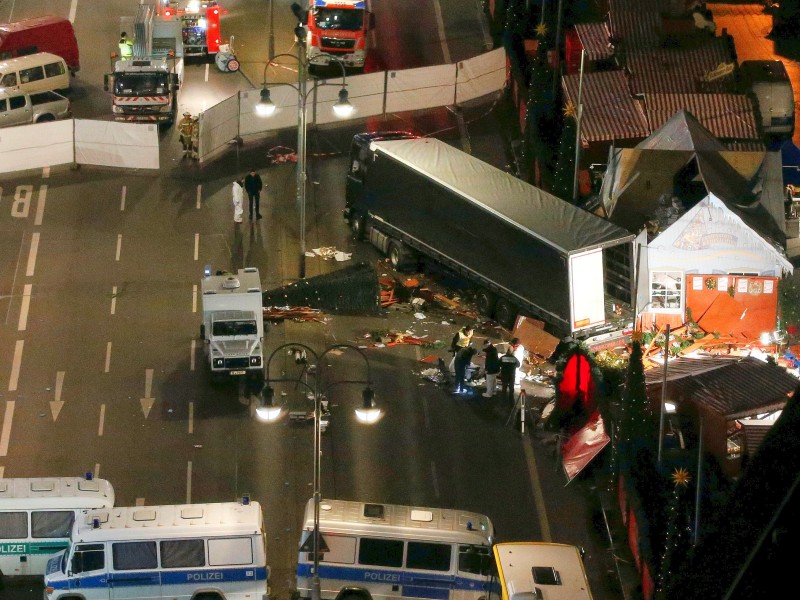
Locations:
(734, 387)
(609, 111)
(594, 39)
(726, 116)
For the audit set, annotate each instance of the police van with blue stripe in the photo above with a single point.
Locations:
(192, 551)
(374, 551)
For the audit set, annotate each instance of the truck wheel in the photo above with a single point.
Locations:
(203, 331)
(485, 302)
(45, 118)
(401, 257)
(505, 313)
(357, 226)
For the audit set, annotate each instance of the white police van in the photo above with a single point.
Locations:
(201, 551)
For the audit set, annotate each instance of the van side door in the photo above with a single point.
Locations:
(14, 547)
(20, 111)
(134, 573)
(50, 530)
(87, 571)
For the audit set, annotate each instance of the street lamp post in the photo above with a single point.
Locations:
(265, 107)
(267, 410)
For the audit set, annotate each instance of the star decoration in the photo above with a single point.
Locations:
(681, 477)
(541, 29)
(569, 110)
(636, 336)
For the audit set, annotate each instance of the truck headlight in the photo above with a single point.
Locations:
(255, 361)
(219, 362)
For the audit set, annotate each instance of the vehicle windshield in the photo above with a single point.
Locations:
(337, 18)
(64, 558)
(227, 328)
(141, 84)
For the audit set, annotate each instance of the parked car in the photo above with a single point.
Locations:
(19, 108)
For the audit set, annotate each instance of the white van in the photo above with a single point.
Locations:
(40, 72)
(37, 515)
(768, 84)
(210, 551)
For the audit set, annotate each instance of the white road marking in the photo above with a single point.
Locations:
(434, 479)
(26, 305)
(5, 435)
(122, 198)
(194, 298)
(119, 247)
(199, 191)
(57, 404)
(102, 420)
(72, 10)
(96, 470)
(442, 37)
(40, 205)
(206, 77)
(114, 300)
(189, 483)
(140, 502)
(196, 245)
(45, 172)
(191, 355)
(2, 472)
(148, 400)
(191, 417)
(108, 358)
(15, 365)
(29, 270)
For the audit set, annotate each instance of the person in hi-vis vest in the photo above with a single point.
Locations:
(125, 46)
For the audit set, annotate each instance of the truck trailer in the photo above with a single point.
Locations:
(233, 323)
(524, 250)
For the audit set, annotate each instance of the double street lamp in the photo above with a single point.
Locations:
(269, 410)
(266, 107)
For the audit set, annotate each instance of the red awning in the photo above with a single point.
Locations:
(609, 111)
(728, 116)
(594, 39)
(582, 447)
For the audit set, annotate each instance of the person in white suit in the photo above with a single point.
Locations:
(238, 200)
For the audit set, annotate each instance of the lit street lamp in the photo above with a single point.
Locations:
(268, 410)
(265, 107)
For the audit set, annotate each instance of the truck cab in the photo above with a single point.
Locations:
(145, 89)
(339, 29)
(233, 323)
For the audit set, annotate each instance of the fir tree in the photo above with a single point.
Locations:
(637, 424)
(563, 177)
(679, 532)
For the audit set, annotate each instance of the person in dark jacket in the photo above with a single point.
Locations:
(253, 186)
(492, 367)
(508, 374)
(463, 359)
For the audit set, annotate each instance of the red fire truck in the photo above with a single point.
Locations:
(199, 24)
(338, 29)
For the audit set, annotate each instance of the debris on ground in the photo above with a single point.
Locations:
(295, 313)
(330, 252)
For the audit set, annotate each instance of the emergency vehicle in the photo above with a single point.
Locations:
(199, 22)
(338, 28)
(145, 89)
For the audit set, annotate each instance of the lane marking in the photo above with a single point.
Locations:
(538, 496)
(194, 298)
(23, 311)
(2, 472)
(442, 37)
(5, 436)
(199, 191)
(108, 358)
(102, 420)
(40, 205)
(57, 404)
(114, 300)
(46, 173)
(29, 270)
(206, 72)
(196, 245)
(189, 483)
(15, 365)
(434, 479)
(140, 502)
(72, 10)
(122, 199)
(148, 400)
(191, 417)
(191, 355)
(96, 470)
(119, 247)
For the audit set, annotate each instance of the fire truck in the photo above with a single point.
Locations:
(199, 22)
(338, 29)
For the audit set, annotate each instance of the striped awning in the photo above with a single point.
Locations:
(726, 116)
(679, 70)
(637, 23)
(609, 111)
(594, 39)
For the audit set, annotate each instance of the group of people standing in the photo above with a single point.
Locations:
(506, 366)
(252, 184)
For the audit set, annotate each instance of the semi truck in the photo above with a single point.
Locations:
(337, 29)
(525, 251)
(233, 323)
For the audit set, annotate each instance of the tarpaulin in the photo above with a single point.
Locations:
(112, 144)
(481, 75)
(218, 126)
(416, 89)
(581, 448)
(35, 146)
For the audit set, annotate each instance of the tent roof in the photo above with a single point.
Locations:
(681, 132)
(560, 224)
